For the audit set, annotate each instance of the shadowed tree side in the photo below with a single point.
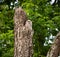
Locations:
(23, 46)
(55, 48)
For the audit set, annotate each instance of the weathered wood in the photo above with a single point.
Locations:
(23, 46)
(55, 48)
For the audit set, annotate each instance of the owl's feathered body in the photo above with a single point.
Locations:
(23, 46)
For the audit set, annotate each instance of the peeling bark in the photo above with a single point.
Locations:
(23, 46)
(55, 48)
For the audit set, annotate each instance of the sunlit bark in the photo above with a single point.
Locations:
(55, 48)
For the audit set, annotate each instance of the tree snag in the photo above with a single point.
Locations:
(55, 48)
(23, 33)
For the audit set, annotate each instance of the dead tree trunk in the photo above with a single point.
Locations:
(55, 48)
(23, 32)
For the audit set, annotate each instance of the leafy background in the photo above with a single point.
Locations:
(46, 24)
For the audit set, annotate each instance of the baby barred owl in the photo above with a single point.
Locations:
(28, 24)
(20, 15)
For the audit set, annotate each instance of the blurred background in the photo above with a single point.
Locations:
(45, 15)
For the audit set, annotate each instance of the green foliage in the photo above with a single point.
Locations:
(6, 44)
(45, 18)
(6, 20)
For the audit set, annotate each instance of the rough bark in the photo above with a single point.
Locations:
(55, 48)
(23, 32)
